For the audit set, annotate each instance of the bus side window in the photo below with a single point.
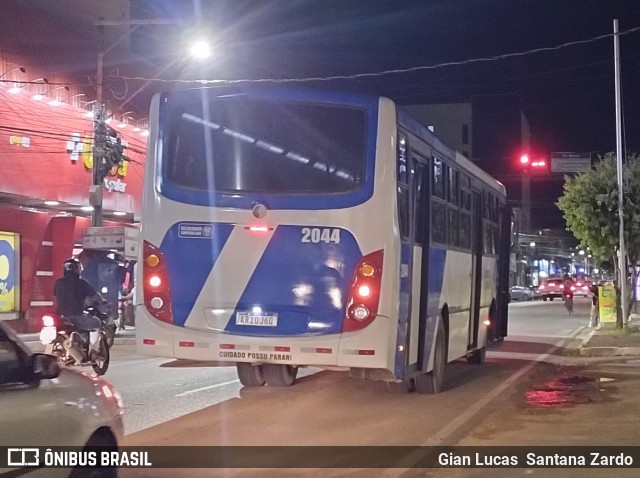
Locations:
(465, 230)
(454, 190)
(454, 227)
(403, 210)
(438, 179)
(421, 191)
(403, 187)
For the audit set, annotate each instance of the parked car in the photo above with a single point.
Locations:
(518, 292)
(536, 293)
(582, 288)
(551, 289)
(46, 405)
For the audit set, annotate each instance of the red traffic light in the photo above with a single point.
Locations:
(528, 164)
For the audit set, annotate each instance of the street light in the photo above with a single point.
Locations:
(200, 49)
(21, 68)
(57, 102)
(40, 96)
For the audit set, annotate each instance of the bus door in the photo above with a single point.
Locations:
(476, 267)
(420, 261)
(504, 253)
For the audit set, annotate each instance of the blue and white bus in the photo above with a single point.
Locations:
(285, 228)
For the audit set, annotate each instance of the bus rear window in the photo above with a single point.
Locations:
(236, 145)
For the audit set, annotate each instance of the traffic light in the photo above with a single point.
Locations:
(529, 165)
(113, 154)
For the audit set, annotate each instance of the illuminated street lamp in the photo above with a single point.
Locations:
(200, 49)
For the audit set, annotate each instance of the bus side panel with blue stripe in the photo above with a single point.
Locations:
(306, 284)
(192, 261)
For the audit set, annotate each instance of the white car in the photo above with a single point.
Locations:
(43, 404)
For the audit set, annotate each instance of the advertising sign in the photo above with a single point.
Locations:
(607, 303)
(9, 271)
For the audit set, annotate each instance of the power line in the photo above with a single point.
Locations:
(388, 72)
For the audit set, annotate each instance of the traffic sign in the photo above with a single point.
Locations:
(570, 162)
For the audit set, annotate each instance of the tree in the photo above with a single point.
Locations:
(590, 209)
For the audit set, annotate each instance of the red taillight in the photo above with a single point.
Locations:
(541, 287)
(156, 283)
(364, 295)
(261, 229)
(48, 321)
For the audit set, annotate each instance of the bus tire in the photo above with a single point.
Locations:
(477, 357)
(431, 382)
(250, 375)
(278, 375)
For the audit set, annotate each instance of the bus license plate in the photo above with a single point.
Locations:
(259, 320)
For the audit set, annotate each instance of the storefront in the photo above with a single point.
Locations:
(45, 175)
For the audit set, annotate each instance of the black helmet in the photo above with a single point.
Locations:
(72, 266)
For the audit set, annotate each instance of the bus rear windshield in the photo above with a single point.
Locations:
(237, 145)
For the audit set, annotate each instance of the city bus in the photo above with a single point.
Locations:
(284, 228)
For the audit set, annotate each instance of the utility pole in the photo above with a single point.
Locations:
(99, 138)
(622, 258)
(100, 113)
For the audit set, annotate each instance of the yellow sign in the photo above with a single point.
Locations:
(607, 303)
(9, 276)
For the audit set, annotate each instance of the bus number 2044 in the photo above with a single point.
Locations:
(316, 235)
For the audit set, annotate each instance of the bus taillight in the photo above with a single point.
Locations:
(364, 295)
(156, 283)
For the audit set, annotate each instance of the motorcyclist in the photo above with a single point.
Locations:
(71, 292)
(567, 289)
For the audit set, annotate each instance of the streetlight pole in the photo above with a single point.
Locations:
(622, 258)
(532, 245)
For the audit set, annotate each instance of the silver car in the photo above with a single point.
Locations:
(518, 292)
(42, 404)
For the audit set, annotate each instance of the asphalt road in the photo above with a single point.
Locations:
(157, 390)
(528, 393)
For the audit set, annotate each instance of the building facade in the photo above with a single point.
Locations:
(47, 96)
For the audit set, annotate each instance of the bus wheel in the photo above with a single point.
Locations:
(477, 357)
(279, 375)
(431, 382)
(250, 375)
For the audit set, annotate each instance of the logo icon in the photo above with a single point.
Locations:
(23, 457)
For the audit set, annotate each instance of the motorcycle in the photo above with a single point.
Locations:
(108, 324)
(73, 347)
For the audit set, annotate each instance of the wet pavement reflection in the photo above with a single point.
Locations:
(568, 388)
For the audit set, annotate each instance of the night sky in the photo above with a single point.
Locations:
(567, 94)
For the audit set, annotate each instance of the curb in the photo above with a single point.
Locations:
(608, 351)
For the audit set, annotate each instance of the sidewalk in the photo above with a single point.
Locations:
(610, 342)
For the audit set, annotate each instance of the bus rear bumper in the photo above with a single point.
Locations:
(366, 348)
